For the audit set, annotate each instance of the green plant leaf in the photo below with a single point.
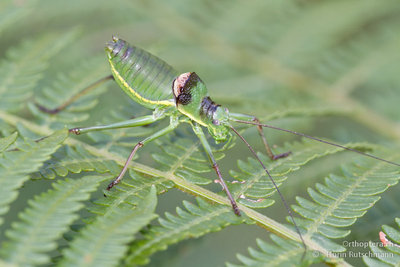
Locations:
(386, 253)
(342, 199)
(293, 64)
(194, 221)
(15, 166)
(254, 182)
(82, 75)
(104, 241)
(7, 141)
(24, 67)
(47, 218)
(281, 253)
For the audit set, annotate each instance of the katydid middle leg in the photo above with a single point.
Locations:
(271, 154)
(200, 134)
(174, 122)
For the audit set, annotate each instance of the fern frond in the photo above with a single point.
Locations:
(255, 185)
(47, 218)
(67, 85)
(196, 220)
(75, 159)
(133, 189)
(293, 61)
(281, 253)
(343, 199)
(185, 159)
(340, 202)
(7, 141)
(24, 67)
(103, 242)
(386, 253)
(15, 166)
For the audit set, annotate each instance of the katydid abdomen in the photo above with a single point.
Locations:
(143, 76)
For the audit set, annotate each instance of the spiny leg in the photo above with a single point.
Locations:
(267, 147)
(173, 124)
(139, 121)
(125, 168)
(270, 154)
(75, 97)
(199, 132)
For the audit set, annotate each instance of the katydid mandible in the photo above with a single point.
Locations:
(154, 84)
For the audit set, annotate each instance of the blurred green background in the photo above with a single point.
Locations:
(326, 68)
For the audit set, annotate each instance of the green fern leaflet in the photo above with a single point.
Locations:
(328, 69)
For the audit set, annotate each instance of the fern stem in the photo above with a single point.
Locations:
(262, 220)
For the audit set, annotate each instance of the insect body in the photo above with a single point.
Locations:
(154, 84)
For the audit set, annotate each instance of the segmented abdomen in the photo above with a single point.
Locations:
(143, 76)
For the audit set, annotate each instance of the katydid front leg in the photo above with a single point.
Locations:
(270, 154)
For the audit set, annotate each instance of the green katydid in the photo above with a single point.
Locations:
(154, 84)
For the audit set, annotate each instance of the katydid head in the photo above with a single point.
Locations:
(188, 90)
(192, 100)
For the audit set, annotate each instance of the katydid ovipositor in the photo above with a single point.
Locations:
(183, 98)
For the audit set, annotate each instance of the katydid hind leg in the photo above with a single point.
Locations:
(75, 97)
(139, 121)
(270, 153)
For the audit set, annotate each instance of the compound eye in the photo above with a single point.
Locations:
(215, 122)
(179, 83)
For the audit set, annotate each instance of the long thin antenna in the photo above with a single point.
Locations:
(276, 188)
(317, 139)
